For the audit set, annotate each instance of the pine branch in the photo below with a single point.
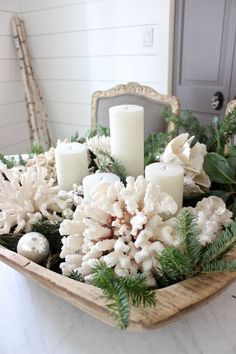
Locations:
(121, 291)
(138, 291)
(99, 130)
(118, 305)
(50, 229)
(219, 265)
(188, 234)
(46, 227)
(36, 149)
(175, 265)
(154, 146)
(106, 163)
(8, 162)
(77, 276)
(222, 245)
(10, 241)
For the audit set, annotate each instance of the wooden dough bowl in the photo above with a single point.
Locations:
(172, 301)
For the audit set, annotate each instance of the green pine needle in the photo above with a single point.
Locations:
(46, 227)
(120, 292)
(175, 265)
(219, 265)
(118, 304)
(36, 149)
(222, 245)
(50, 229)
(106, 163)
(188, 234)
(77, 276)
(139, 293)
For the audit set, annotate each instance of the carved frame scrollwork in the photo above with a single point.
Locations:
(133, 88)
(230, 106)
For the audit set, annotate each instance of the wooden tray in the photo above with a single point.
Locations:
(172, 301)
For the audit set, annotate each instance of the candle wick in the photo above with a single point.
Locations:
(164, 167)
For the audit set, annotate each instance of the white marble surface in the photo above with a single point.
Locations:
(35, 322)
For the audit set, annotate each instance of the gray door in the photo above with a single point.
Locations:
(204, 54)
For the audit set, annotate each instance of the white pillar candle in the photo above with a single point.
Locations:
(71, 164)
(91, 180)
(170, 177)
(127, 137)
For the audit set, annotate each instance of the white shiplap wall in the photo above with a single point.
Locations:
(80, 46)
(13, 127)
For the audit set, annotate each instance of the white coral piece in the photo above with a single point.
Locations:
(118, 227)
(99, 144)
(47, 160)
(212, 216)
(179, 151)
(27, 197)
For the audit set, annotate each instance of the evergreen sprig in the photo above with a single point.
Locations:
(219, 265)
(50, 229)
(36, 149)
(77, 276)
(154, 146)
(106, 163)
(46, 227)
(99, 130)
(9, 162)
(188, 233)
(120, 292)
(191, 257)
(222, 245)
(175, 266)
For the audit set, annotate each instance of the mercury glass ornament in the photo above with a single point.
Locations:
(33, 246)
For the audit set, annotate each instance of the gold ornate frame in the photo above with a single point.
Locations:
(230, 106)
(133, 88)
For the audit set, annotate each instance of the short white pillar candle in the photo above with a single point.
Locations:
(71, 164)
(170, 177)
(127, 137)
(92, 180)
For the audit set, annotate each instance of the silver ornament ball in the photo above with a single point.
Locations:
(33, 246)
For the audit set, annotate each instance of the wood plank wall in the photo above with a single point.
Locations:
(79, 46)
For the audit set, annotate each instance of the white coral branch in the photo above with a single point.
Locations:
(27, 197)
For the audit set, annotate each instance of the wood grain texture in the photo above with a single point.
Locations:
(173, 301)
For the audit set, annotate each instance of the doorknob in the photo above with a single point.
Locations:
(217, 100)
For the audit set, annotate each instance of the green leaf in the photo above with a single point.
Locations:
(218, 169)
(232, 162)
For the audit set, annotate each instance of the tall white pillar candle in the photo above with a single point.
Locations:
(71, 164)
(170, 177)
(127, 137)
(92, 180)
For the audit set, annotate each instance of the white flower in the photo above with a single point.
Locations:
(179, 151)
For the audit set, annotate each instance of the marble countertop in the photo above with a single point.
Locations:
(33, 321)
